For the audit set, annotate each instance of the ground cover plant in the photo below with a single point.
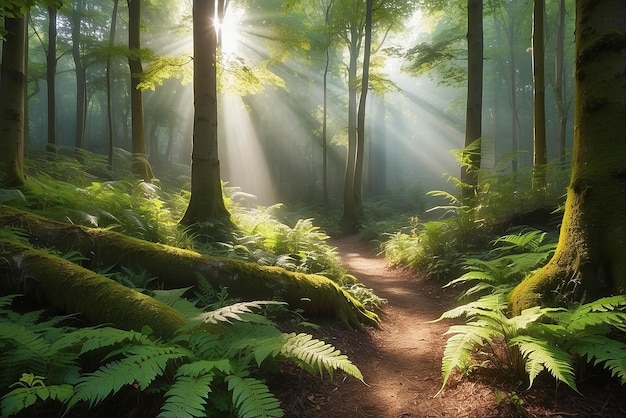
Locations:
(216, 363)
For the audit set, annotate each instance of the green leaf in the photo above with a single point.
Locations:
(317, 356)
(252, 398)
(541, 355)
(187, 397)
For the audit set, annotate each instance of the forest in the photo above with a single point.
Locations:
(307, 208)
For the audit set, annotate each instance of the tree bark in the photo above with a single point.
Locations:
(540, 153)
(350, 219)
(207, 202)
(12, 107)
(51, 73)
(110, 116)
(589, 260)
(360, 144)
(81, 83)
(176, 268)
(474, 112)
(140, 165)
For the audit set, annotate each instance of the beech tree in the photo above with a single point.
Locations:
(589, 259)
(207, 202)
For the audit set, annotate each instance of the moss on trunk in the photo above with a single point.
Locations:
(176, 268)
(71, 288)
(589, 261)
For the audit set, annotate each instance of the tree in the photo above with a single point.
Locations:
(51, 72)
(141, 167)
(110, 123)
(474, 113)
(540, 154)
(589, 259)
(81, 79)
(12, 91)
(207, 202)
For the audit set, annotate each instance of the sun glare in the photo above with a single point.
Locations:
(229, 30)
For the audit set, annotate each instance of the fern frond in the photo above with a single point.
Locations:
(495, 302)
(238, 312)
(96, 338)
(252, 398)
(458, 351)
(175, 299)
(142, 366)
(203, 367)
(609, 310)
(541, 355)
(601, 349)
(6, 301)
(317, 356)
(187, 397)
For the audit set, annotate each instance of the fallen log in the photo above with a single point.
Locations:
(177, 268)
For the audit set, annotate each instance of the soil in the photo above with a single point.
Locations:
(401, 363)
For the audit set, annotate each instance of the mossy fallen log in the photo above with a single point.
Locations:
(72, 288)
(176, 268)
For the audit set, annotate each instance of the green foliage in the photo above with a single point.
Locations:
(210, 368)
(540, 338)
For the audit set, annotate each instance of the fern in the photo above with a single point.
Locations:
(252, 398)
(239, 312)
(187, 397)
(317, 356)
(542, 355)
(140, 367)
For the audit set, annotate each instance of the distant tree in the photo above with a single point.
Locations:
(207, 202)
(474, 103)
(12, 104)
(589, 260)
(51, 72)
(540, 154)
(110, 118)
(78, 8)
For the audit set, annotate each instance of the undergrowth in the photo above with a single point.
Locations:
(82, 191)
(210, 368)
(552, 340)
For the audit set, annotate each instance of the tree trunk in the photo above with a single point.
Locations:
(73, 289)
(51, 73)
(110, 116)
(360, 144)
(12, 104)
(474, 112)
(176, 268)
(540, 154)
(589, 260)
(141, 167)
(207, 202)
(81, 83)
(350, 219)
(559, 87)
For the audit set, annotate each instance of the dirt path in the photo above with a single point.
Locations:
(401, 362)
(402, 365)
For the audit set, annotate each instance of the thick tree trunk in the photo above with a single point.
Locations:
(175, 268)
(12, 106)
(207, 202)
(589, 259)
(110, 116)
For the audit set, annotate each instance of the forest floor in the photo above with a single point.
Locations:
(401, 363)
